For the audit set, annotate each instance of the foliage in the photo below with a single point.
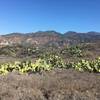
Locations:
(49, 62)
(20, 51)
(10, 51)
(73, 51)
(96, 65)
(84, 65)
(53, 59)
(44, 63)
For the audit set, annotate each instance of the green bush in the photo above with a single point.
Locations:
(54, 60)
(73, 51)
(45, 63)
(49, 62)
(84, 65)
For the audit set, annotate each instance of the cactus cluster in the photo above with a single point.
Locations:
(49, 62)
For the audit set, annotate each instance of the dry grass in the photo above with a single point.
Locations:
(59, 84)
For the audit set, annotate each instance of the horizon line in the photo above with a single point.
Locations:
(47, 31)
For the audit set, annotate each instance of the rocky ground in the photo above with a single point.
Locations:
(58, 84)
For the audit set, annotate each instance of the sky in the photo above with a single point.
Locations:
(41, 15)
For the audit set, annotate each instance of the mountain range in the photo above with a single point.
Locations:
(49, 38)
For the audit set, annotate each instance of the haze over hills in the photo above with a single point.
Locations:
(49, 37)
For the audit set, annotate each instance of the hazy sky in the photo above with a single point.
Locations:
(59, 15)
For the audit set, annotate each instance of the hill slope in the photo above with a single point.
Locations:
(49, 37)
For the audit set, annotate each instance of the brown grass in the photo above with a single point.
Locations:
(58, 84)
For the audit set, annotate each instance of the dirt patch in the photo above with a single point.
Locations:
(58, 84)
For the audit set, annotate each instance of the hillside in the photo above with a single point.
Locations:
(50, 66)
(49, 37)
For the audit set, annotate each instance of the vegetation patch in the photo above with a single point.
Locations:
(49, 62)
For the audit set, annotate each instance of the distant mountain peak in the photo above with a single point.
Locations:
(93, 33)
(14, 34)
(70, 32)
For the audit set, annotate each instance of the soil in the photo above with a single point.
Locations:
(58, 84)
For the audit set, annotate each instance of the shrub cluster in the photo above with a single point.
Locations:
(74, 51)
(49, 62)
(85, 65)
(44, 63)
